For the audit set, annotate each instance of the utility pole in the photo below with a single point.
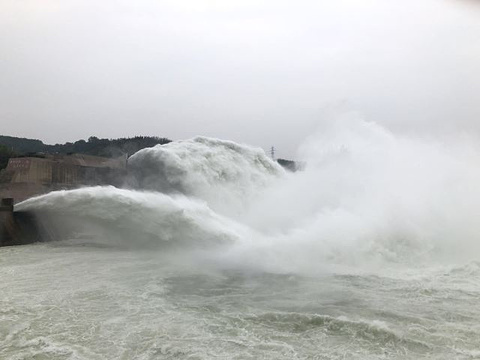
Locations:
(272, 153)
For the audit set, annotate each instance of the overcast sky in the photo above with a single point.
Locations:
(259, 72)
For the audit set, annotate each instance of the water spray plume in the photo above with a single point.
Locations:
(367, 198)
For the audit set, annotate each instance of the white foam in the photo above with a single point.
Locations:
(227, 175)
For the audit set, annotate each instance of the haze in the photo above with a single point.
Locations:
(259, 72)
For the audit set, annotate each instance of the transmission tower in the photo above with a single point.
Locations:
(272, 153)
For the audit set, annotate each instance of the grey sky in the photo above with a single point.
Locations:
(260, 72)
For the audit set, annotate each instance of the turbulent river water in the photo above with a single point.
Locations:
(214, 251)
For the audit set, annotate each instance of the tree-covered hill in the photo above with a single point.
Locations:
(22, 145)
(93, 146)
(13, 146)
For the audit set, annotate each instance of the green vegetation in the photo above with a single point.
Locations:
(12, 146)
(22, 145)
(107, 147)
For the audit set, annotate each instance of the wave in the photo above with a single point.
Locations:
(374, 331)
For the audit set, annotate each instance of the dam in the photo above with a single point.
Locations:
(38, 174)
(26, 177)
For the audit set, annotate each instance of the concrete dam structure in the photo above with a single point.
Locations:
(26, 177)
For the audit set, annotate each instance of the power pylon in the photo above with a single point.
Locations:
(272, 153)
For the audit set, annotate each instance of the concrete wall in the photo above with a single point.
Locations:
(31, 176)
(30, 170)
(42, 171)
(65, 174)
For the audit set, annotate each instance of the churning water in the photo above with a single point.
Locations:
(214, 251)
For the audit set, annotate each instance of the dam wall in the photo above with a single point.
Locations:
(25, 177)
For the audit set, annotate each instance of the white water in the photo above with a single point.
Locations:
(372, 252)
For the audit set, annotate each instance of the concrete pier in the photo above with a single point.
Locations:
(17, 228)
(6, 221)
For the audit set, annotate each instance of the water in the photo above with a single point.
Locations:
(73, 301)
(364, 255)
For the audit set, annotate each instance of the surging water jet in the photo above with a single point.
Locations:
(368, 198)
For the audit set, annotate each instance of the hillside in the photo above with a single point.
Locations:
(13, 146)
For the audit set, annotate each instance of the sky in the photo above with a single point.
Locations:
(263, 72)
